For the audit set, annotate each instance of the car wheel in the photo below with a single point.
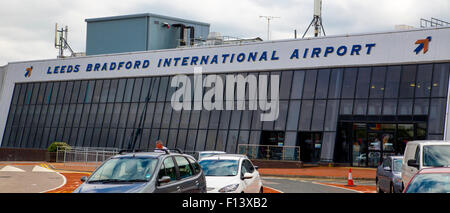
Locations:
(378, 187)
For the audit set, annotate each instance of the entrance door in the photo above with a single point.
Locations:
(310, 146)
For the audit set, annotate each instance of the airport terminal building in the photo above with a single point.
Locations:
(348, 99)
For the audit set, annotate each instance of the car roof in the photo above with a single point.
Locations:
(430, 142)
(225, 157)
(435, 170)
(147, 154)
(211, 152)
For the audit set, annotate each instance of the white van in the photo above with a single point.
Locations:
(424, 154)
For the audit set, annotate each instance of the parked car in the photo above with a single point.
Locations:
(146, 172)
(228, 173)
(430, 180)
(203, 154)
(424, 154)
(389, 177)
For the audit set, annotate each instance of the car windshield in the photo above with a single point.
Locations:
(397, 165)
(430, 183)
(436, 155)
(124, 170)
(220, 167)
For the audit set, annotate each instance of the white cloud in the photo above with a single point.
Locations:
(27, 26)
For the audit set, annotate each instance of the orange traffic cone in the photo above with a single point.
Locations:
(350, 178)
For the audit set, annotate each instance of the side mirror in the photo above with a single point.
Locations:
(164, 179)
(83, 179)
(256, 167)
(387, 168)
(413, 163)
(247, 176)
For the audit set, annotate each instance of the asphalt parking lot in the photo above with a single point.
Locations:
(37, 178)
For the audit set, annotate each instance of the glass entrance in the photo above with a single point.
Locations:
(369, 143)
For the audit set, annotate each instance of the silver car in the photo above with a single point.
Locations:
(389, 177)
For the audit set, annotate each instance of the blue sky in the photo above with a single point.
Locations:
(27, 26)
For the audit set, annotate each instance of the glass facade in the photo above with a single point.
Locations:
(317, 106)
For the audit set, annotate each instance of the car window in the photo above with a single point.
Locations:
(436, 155)
(386, 162)
(430, 183)
(417, 155)
(249, 166)
(397, 165)
(168, 169)
(219, 167)
(125, 170)
(195, 166)
(184, 167)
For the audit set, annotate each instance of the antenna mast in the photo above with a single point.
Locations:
(61, 41)
(268, 24)
(317, 19)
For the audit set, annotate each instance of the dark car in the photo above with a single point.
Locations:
(430, 180)
(146, 172)
(389, 177)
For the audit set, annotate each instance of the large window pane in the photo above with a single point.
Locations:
(374, 107)
(389, 107)
(360, 107)
(113, 90)
(61, 92)
(310, 84)
(363, 82)
(377, 84)
(75, 92)
(232, 142)
(405, 106)
(128, 90)
(423, 82)
(331, 115)
(421, 106)
(285, 85)
(318, 115)
(348, 87)
(280, 123)
(293, 115)
(436, 119)
(211, 140)
(297, 85)
(440, 80)
(164, 82)
(322, 83)
(392, 81)
(137, 90)
(305, 115)
(408, 81)
(334, 90)
(105, 90)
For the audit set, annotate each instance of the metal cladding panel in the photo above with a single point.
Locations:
(116, 36)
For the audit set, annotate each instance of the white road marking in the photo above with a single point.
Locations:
(41, 169)
(11, 169)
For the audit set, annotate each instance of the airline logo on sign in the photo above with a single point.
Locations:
(423, 45)
(28, 71)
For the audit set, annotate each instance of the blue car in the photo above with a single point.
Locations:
(389, 177)
(146, 172)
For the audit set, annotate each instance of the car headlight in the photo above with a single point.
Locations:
(229, 188)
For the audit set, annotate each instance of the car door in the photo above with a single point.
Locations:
(168, 168)
(188, 182)
(251, 185)
(384, 177)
